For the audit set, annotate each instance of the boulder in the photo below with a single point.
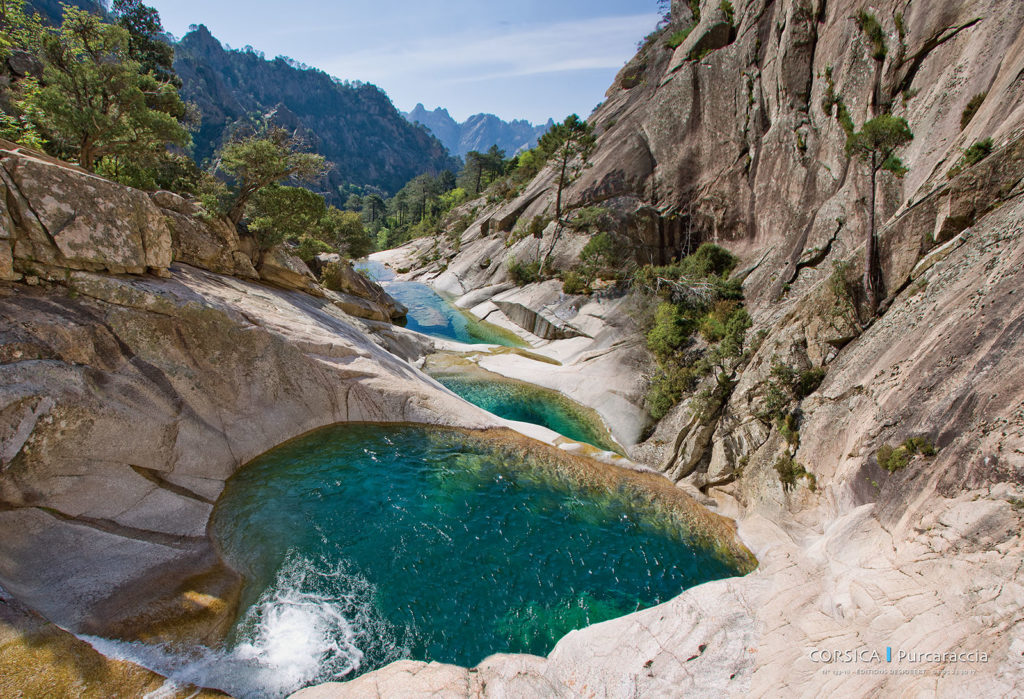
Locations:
(358, 307)
(208, 244)
(340, 277)
(63, 218)
(281, 268)
(24, 64)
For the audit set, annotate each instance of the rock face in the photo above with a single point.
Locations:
(732, 138)
(55, 218)
(353, 125)
(213, 245)
(126, 401)
(177, 360)
(280, 267)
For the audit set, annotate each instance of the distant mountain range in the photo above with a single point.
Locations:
(479, 132)
(52, 11)
(354, 125)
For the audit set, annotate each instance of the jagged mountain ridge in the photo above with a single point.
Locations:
(479, 132)
(354, 125)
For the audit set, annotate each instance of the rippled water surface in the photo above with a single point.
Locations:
(362, 544)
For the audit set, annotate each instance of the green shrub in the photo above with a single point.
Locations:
(709, 260)
(677, 38)
(729, 11)
(671, 332)
(868, 24)
(702, 299)
(892, 459)
(537, 226)
(662, 395)
(786, 386)
(523, 273)
(789, 427)
(309, 247)
(668, 386)
(589, 218)
(713, 326)
(599, 250)
(971, 109)
(575, 283)
(832, 100)
(333, 276)
(973, 155)
(808, 381)
(709, 401)
(790, 471)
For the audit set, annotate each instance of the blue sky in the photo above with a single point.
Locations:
(529, 59)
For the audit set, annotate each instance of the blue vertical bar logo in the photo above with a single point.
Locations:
(888, 654)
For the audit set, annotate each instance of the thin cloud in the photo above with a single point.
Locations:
(598, 43)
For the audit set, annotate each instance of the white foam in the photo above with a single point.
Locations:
(314, 624)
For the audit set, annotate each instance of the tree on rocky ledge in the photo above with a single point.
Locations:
(571, 143)
(876, 144)
(264, 159)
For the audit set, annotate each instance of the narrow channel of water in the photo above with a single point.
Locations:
(433, 315)
(525, 402)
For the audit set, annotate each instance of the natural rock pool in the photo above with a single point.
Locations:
(433, 315)
(518, 400)
(361, 544)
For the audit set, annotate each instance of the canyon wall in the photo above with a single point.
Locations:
(733, 137)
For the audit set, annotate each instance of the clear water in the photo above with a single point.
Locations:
(433, 315)
(361, 544)
(516, 400)
(373, 269)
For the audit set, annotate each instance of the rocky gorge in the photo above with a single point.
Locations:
(126, 308)
(727, 127)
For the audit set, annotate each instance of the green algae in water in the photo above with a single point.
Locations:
(376, 542)
(516, 400)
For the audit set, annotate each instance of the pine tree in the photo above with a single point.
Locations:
(876, 144)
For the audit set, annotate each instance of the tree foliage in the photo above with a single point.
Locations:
(264, 159)
(146, 41)
(277, 213)
(876, 144)
(345, 230)
(570, 143)
(95, 102)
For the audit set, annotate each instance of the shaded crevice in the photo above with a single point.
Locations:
(819, 256)
(921, 54)
(156, 478)
(107, 526)
(15, 211)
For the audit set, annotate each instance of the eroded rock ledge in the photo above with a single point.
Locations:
(128, 402)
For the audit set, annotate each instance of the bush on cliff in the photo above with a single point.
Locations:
(694, 294)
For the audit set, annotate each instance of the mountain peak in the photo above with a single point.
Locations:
(478, 132)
